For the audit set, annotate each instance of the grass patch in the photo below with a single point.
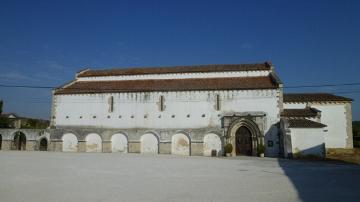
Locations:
(346, 155)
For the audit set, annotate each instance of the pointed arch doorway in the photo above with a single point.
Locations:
(244, 135)
(243, 141)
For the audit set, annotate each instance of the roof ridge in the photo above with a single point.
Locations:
(174, 69)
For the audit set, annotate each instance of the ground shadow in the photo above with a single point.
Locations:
(321, 180)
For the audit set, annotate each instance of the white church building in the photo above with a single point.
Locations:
(194, 110)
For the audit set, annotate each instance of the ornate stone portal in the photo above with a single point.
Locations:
(244, 131)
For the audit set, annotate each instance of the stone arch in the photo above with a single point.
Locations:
(70, 143)
(180, 144)
(93, 143)
(249, 125)
(119, 143)
(19, 141)
(149, 143)
(212, 142)
(43, 144)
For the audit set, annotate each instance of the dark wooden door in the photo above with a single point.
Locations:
(243, 141)
(43, 145)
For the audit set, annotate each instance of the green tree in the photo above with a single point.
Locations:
(1, 106)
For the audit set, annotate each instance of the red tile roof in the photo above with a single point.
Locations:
(175, 69)
(307, 112)
(313, 97)
(233, 83)
(304, 123)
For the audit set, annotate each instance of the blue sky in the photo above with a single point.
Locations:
(45, 43)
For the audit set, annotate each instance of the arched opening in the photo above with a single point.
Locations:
(243, 141)
(119, 143)
(70, 143)
(180, 144)
(19, 142)
(93, 143)
(43, 145)
(149, 144)
(212, 144)
(244, 135)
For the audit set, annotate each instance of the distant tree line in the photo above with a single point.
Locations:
(356, 133)
(22, 122)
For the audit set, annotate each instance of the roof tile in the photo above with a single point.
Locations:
(176, 69)
(233, 83)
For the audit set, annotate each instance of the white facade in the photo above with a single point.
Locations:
(192, 109)
(308, 141)
(149, 111)
(337, 117)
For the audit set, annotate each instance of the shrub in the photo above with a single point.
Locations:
(261, 149)
(228, 148)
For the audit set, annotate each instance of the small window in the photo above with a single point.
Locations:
(270, 143)
(162, 103)
(111, 104)
(217, 102)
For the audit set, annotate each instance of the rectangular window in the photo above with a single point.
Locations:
(111, 104)
(162, 100)
(217, 102)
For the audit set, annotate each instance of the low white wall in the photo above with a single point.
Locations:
(93, 143)
(149, 144)
(70, 143)
(119, 143)
(308, 141)
(212, 142)
(180, 144)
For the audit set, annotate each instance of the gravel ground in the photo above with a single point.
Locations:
(50, 176)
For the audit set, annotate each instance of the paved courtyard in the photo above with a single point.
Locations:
(50, 176)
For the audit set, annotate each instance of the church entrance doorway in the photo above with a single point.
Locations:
(19, 141)
(243, 141)
(43, 144)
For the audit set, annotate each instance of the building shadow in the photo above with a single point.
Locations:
(322, 180)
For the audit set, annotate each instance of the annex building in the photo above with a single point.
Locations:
(189, 110)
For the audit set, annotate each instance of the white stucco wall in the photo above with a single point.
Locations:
(308, 141)
(70, 143)
(141, 110)
(177, 76)
(149, 144)
(180, 144)
(334, 116)
(212, 142)
(93, 143)
(119, 143)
